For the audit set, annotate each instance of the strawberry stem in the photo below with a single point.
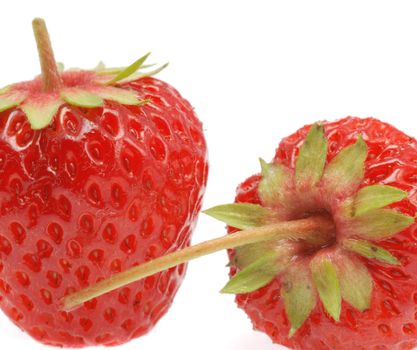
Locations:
(51, 81)
(300, 229)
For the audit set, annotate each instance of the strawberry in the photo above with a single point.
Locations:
(100, 170)
(377, 310)
(323, 250)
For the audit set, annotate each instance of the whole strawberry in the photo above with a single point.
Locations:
(324, 246)
(357, 287)
(100, 170)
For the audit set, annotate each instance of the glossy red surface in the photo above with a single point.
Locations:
(96, 192)
(390, 324)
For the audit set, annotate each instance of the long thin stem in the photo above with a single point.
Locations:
(50, 76)
(299, 229)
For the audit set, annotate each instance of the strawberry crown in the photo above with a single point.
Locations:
(321, 265)
(41, 98)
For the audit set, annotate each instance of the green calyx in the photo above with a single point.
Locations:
(316, 267)
(41, 108)
(328, 286)
(376, 196)
(345, 171)
(274, 182)
(354, 280)
(128, 71)
(312, 158)
(81, 98)
(10, 100)
(241, 215)
(378, 224)
(299, 295)
(40, 113)
(370, 251)
(256, 275)
(58, 88)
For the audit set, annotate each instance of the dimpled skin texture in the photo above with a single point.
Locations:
(390, 324)
(98, 191)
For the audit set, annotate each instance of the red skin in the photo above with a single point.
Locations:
(390, 324)
(96, 192)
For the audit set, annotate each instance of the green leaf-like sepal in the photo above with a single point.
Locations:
(241, 215)
(299, 296)
(81, 98)
(6, 104)
(256, 275)
(123, 96)
(41, 113)
(149, 73)
(103, 70)
(312, 158)
(10, 100)
(370, 251)
(355, 282)
(249, 253)
(275, 180)
(345, 172)
(378, 224)
(327, 284)
(128, 71)
(375, 197)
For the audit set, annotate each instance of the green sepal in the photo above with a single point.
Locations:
(346, 170)
(249, 253)
(81, 98)
(128, 71)
(123, 96)
(378, 224)
(6, 104)
(275, 179)
(103, 70)
(299, 296)
(10, 100)
(241, 215)
(355, 282)
(327, 284)
(312, 158)
(370, 251)
(147, 74)
(255, 276)
(375, 197)
(40, 114)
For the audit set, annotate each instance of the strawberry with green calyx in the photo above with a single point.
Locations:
(324, 257)
(100, 170)
(358, 290)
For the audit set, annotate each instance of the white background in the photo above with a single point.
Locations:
(255, 71)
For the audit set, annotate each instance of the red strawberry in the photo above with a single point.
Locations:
(100, 170)
(326, 253)
(388, 317)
